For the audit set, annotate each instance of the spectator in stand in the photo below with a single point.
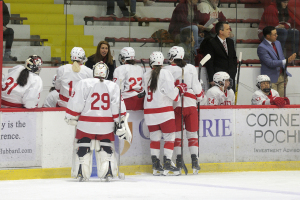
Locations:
(208, 10)
(110, 12)
(185, 16)
(8, 35)
(277, 15)
(272, 59)
(102, 54)
(187, 43)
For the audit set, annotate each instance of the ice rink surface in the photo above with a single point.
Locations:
(283, 185)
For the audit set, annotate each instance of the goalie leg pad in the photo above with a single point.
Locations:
(106, 159)
(83, 158)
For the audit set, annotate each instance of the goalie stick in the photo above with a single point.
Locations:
(238, 78)
(201, 64)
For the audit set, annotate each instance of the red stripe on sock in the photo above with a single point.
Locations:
(193, 142)
(155, 145)
(177, 142)
(169, 145)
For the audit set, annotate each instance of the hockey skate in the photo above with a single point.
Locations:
(195, 164)
(179, 164)
(108, 177)
(80, 176)
(156, 166)
(170, 167)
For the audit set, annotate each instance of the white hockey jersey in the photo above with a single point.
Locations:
(51, 99)
(14, 95)
(216, 97)
(259, 98)
(194, 89)
(158, 106)
(97, 105)
(131, 76)
(66, 81)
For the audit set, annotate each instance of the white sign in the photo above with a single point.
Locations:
(18, 137)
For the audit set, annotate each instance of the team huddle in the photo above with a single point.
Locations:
(97, 107)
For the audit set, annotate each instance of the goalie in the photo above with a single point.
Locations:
(267, 96)
(95, 106)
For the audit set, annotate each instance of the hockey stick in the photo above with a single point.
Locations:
(143, 63)
(238, 78)
(201, 64)
(182, 104)
(120, 175)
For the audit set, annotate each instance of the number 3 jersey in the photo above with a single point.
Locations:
(158, 105)
(14, 95)
(131, 76)
(97, 106)
(216, 97)
(67, 79)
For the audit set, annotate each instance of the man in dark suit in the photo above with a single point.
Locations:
(223, 55)
(272, 59)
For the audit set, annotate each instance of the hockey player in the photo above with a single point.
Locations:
(95, 106)
(194, 93)
(267, 96)
(221, 93)
(52, 97)
(130, 76)
(159, 113)
(69, 75)
(22, 85)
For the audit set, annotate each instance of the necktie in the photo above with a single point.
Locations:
(274, 47)
(225, 47)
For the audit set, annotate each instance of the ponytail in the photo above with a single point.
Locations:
(131, 62)
(180, 63)
(23, 77)
(51, 89)
(154, 77)
(76, 67)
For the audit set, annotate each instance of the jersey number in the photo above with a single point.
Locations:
(104, 98)
(7, 84)
(70, 88)
(150, 95)
(139, 79)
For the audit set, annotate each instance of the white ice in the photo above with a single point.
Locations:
(283, 185)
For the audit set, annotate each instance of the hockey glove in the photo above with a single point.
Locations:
(182, 88)
(142, 94)
(72, 122)
(122, 129)
(279, 101)
(287, 101)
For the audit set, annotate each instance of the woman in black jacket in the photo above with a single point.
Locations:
(102, 54)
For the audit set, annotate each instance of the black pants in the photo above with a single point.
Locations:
(8, 35)
(111, 7)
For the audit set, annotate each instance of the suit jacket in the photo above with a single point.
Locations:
(220, 61)
(270, 62)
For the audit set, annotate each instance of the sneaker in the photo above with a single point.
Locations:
(131, 15)
(195, 164)
(148, 3)
(169, 167)
(9, 58)
(110, 15)
(156, 166)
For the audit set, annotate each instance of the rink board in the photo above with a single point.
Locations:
(240, 138)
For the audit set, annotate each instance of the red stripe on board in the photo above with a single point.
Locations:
(158, 110)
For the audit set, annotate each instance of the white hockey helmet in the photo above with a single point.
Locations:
(220, 78)
(54, 79)
(176, 52)
(78, 54)
(263, 78)
(127, 53)
(33, 64)
(156, 58)
(100, 70)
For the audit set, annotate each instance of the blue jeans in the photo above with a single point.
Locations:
(287, 35)
(197, 38)
(111, 7)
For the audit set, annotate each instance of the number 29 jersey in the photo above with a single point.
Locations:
(131, 77)
(66, 81)
(97, 105)
(14, 95)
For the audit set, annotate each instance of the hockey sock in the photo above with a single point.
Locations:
(177, 144)
(192, 142)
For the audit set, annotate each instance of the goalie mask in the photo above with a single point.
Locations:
(156, 58)
(33, 64)
(127, 53)
(263, 78)
(175, 52)
(100, 70)
(220, 79)
(78, 54)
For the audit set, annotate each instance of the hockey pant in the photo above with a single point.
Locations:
(165, 130)
(190, 120)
